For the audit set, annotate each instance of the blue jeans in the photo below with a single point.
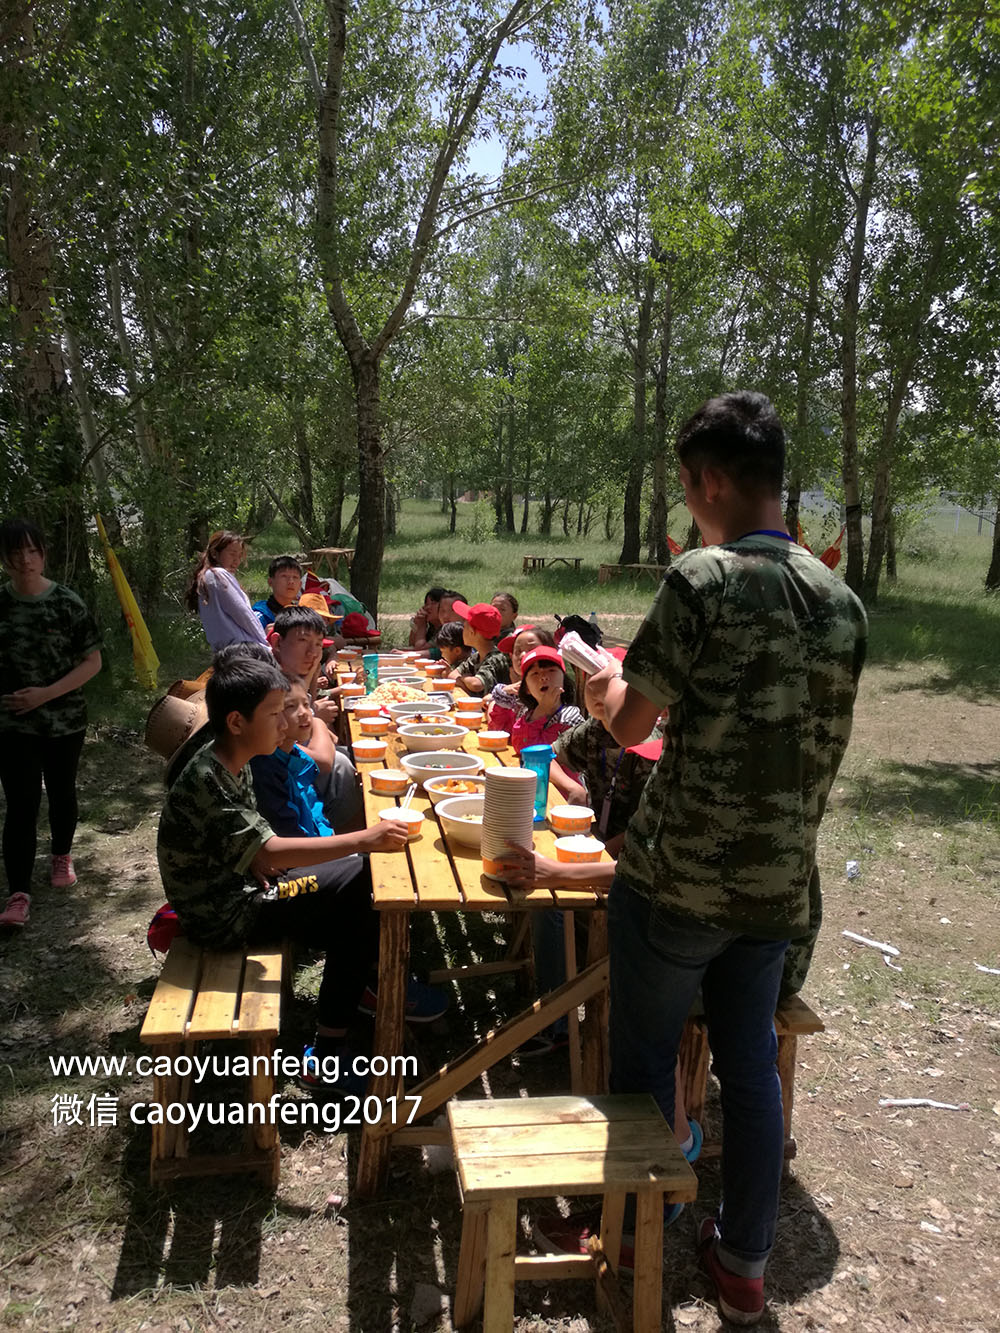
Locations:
(658, 961)
(549, 945)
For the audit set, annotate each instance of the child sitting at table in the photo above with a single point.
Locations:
(284, 578)
(230, 877)
(450, 640)
(298, 651)
(542, 706)
(481, 633)
(292, 797)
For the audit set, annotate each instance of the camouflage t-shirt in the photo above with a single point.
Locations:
(495, 670)
(756, 648)
(210, 831)
(608, 770)
(41, 639)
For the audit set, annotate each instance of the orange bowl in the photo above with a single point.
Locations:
(413, 818)
(571, 818)
(373, 726)
(367, 750)
(352, 691)
(388, 781)
(493, 740)
(365, 709)
(578, 848)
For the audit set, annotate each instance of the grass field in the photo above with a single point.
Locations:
(890, 1217)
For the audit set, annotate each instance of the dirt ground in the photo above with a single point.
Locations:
(890, 1217)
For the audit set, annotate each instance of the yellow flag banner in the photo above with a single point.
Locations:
(143, 653)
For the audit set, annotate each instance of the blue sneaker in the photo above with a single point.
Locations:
(325, 1087)
(423, 1003)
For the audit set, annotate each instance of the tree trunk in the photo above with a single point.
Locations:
(445, 495)
(631, 512)
(693, 539)
(890, 547)
(390, 510)
(993, 573)
(335, 510)
(452, 503)
(900, 386)
(366, 569)
(88, 429)
(793, 503)
(304, 501)
(525, 512)
(854, 568)
(609, 520)
(579, 518)
(46, 433)
(659, 547)
(548, 504)
(565, 518)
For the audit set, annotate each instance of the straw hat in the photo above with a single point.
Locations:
(315, 601)
(173, 721)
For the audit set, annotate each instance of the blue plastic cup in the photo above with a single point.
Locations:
(538, 758)
(370, 663)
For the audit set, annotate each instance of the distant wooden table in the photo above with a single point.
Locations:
(608, 572)
(330, 556)
(530, 563)
(435, 874)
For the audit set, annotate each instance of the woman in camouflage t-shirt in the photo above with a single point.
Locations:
(49, 648)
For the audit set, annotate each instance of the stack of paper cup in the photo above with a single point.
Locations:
(508, 812)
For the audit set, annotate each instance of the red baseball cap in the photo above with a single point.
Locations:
(647, 750)
(355, 626)
(507, 642)
(483, 618)
(542, 654)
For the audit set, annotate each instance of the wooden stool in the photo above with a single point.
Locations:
(206, 996)
(793, 1018)
(539, 1146)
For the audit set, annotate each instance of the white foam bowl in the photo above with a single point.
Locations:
(413, 819)
(437, 762)
(434, 787)
(466, 831)
(445, 735)
(401, 712)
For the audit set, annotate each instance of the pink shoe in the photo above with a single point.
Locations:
(63, 875)
(16, 912)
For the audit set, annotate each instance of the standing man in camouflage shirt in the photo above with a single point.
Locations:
(756, 648)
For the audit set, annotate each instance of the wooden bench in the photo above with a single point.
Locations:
(205, 996)
(524, 1147)
(792, 1019)
(529, 563)
(608, 572)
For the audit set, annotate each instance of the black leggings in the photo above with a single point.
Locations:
(328, 907)
(24, 761)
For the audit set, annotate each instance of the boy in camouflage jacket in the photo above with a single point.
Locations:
(756, 649)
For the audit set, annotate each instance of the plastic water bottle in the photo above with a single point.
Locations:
(592, 620)
(538, 758)
(370, 663)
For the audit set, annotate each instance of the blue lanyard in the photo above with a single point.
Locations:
(767, 532)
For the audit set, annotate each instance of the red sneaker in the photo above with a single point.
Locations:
(569, 1235)
(16, 912)
(741, 1299)
(63, 875)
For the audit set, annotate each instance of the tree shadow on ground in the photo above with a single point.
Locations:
(932, 790)
(963, 635)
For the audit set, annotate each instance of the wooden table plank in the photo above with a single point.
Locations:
(583, 1173)
(260, 1004)
(637, 1107)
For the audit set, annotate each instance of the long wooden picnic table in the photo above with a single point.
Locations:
(436, 873)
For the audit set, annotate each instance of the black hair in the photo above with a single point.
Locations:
(238, 683)
(435, 594)
(508, 597)
(209, 559)
(568, 695)
(283, 562)
(258, 651)
(17, 533)
(740, 434)
(450, 635)
(298, 617)
(457, 596)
